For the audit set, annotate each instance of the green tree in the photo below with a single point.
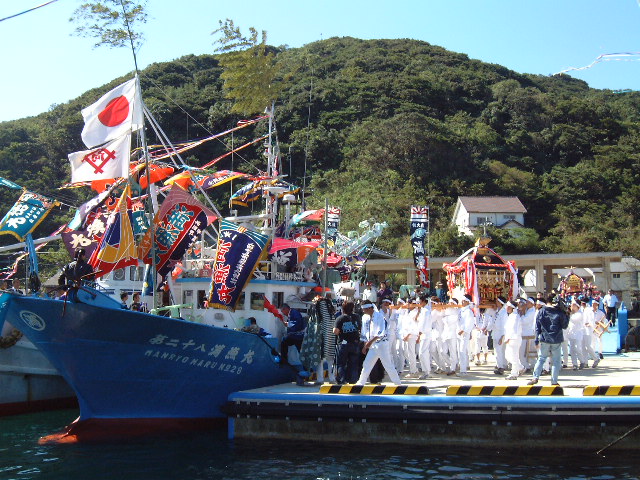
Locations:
(249, 68)
(112, 23)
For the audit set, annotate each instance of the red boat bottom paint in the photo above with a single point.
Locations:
(105, 430)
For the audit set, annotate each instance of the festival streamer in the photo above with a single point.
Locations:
(117, 248)
(179, 224)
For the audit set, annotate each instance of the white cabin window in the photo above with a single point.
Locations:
(136, 274)
(119, 274)
(241, 300)
(509, 217)
(257, 301)
(202, 297)
(187, 296)
(277, 299)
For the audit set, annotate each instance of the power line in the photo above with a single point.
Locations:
(27, 11)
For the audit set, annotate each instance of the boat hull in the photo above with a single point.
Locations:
(126, 365)
(29, 383)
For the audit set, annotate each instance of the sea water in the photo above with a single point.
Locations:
(212, 456)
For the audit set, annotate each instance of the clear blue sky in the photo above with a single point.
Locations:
(42, 64)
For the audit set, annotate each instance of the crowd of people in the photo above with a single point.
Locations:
(423, 336)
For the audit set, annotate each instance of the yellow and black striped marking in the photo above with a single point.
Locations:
(533, 390)
(376, 389)
(616, 390)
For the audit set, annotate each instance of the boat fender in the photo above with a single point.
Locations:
(10, 340)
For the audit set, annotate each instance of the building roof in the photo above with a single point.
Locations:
(492, 204)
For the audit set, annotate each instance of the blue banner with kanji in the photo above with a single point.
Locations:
(419, 231)
(237, 256)
(26, 214)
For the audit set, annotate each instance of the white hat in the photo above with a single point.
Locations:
(509, 304)
(575, 302)
(531, 300)
(500, 300)
(386, 300)
(367, 305)
(540, 302)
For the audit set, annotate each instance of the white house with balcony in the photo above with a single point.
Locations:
(472, 213)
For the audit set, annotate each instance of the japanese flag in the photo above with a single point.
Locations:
(116, 113)
(109, 161)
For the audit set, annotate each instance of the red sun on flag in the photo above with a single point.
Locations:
(116, 112)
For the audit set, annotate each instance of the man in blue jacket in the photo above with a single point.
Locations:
(550, 321)
(295, 331)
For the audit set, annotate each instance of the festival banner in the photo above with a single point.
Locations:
(419, 230)
(333, 222)
(289, 253)
(113, 115)
(237, 256)
(26, 214)
(179, 224)
(139, 219)
(80, 239)
(117, 248)
(103, 163)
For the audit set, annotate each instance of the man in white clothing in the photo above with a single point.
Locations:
(600, 323)
(391, 316)
(575, 334)
(610, 306)
(528, 351)
(437, 345)
(513, 339)
(449, 336)
(497, 334)
(374, 330)
(424, 336)
(588, 316)
(465, 325)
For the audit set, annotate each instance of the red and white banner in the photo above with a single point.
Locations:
(116, 113)
(108, 161)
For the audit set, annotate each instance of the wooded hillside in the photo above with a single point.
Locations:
(379, 125)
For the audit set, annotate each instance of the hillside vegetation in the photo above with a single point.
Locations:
(379, 125)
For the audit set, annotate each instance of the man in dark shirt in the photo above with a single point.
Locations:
(347, 328)
(295, 331)
(550, 321)
(78, 270)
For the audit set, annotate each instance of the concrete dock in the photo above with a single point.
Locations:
(480, 408)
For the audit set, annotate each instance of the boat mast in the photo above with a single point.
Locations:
(143, 139)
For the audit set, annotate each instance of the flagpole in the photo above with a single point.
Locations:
(325, 246)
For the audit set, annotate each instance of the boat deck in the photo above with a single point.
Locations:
(472, 409)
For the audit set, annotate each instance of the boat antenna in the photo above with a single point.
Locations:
(306, 147)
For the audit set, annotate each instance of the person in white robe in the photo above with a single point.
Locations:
(466, 322)
(587, 339)
(496, 326)
(374, 329)
(424, 336)
(575, 334)
(513, 339)
(449, 336)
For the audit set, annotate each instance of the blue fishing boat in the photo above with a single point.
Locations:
(133, 372)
